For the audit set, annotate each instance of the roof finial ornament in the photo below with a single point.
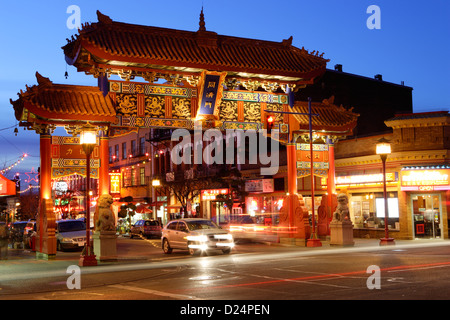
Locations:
(42, 80)
(202, 21)
(103, 18)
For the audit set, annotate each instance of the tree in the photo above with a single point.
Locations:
(186, 188)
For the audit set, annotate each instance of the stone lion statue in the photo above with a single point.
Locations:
(342, 213)
(104, 216)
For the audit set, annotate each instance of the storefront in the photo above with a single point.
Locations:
(211, 206)
(263, 203)
(427, 193)
(366, 202)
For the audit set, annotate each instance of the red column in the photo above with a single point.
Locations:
(45, 176)
(45, 184)
(46, 244)
(292, 179)
(103, 174)
(331, 184)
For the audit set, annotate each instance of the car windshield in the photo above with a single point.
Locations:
(151, 223)
(68, 226)
(201, 224)
(19, 225)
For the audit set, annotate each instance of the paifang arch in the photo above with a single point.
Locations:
(224, 82)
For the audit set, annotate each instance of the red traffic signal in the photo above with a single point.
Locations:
(269, 124)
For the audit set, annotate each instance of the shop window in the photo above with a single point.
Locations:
(367, 210)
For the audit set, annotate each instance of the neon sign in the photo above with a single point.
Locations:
(425, 180)
(212, 193)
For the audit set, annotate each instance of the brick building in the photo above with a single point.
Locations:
(418, 171)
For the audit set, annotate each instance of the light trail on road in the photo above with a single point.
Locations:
(329, 276)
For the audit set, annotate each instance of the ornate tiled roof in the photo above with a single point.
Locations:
(64, 102)
(330, 116)
(154, 47)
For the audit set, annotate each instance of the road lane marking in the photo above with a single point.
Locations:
(155, 292)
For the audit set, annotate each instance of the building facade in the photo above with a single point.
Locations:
(417, 178)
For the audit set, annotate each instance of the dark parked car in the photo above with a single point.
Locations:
(146, 228)
(16, 231)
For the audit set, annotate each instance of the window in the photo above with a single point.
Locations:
(392, 207)
(172, 225)
(116, 152)
(142, 146)
(133, 148)
(124, 150)
(110, 154)
(182, 227)
(142, 176)
(133, 177)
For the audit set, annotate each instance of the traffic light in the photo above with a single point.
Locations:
(269, 124)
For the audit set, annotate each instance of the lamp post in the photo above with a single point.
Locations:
(384, 149)
(88, 140)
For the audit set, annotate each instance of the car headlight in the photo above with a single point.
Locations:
(227, 236)
(201, 238)
(66, 240)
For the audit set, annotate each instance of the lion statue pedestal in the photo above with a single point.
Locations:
(105, 238)
(341, 227)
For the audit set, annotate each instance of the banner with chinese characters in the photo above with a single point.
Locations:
(211, 91)
(68, 158)
(320, 156)
(115, 183)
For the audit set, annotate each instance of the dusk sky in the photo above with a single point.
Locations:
(412, 44)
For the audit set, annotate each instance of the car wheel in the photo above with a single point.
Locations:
(193, 251)
(166, 247)
(226, 251)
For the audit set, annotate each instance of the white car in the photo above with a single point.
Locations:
(195, 235)
(70, 234)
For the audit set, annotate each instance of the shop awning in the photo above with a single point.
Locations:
(143, 208)
(157, 203)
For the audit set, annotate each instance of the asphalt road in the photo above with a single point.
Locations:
(252, 272)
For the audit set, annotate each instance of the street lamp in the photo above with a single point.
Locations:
(156, 183)
(384, 149)
(88, 140)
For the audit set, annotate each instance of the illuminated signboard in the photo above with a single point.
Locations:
(212, 193)
(261, 185)
(425, 180)
(7, 187)
(114, 183)
(366, 178)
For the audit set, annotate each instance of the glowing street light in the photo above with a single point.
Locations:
(384, 149)
(88, 140)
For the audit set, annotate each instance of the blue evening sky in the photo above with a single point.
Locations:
(413, 44)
